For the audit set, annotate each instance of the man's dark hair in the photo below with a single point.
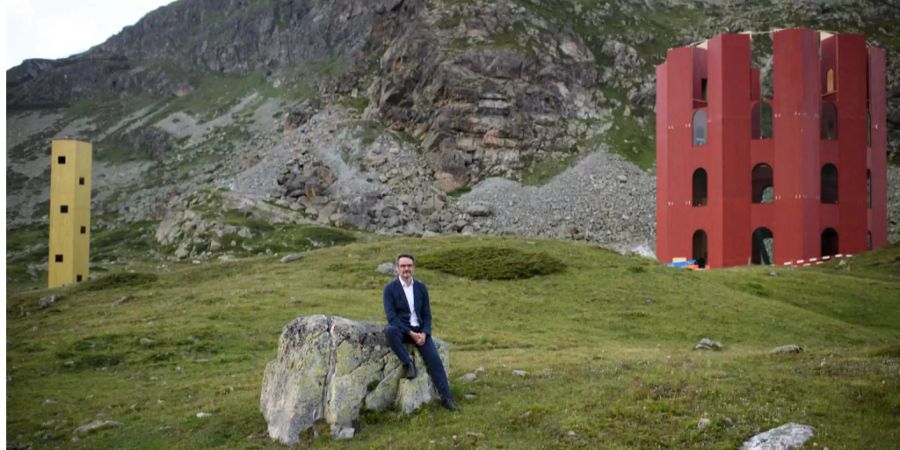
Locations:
(404, 255)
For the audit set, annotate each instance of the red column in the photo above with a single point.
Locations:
(851, 79)
(796, 143)
(675, 114)
(878, 147)
(663, 253)
(730, 180)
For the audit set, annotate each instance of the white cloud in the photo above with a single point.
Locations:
(59, 28)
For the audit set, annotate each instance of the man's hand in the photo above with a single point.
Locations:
(418, 338)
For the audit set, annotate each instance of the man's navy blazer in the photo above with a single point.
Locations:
(396, 307)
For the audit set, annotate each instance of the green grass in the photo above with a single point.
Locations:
(284, 238)
(606, 343)
(118, 280)
(491, 263)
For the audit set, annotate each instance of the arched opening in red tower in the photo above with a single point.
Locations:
(698, 124)
(699, 185)
(830, 242)
(763, 185)
(698, 248)
(763, 251)
(829, 129)
(829, 179)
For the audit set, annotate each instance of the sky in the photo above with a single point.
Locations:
(58, 28)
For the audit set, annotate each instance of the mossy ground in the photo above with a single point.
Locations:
(606, 344)
(491, 263)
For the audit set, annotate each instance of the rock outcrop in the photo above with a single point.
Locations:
(514, 94)
(328, 369)
(786, 437)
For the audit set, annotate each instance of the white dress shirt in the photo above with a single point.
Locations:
(408, 290)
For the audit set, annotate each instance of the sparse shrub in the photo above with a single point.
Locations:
(461, 191)
(491, 263)
(326, 237)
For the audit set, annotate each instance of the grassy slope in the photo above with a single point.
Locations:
(607, 346)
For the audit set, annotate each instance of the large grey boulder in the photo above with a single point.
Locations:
(329, 368)
(786, 437)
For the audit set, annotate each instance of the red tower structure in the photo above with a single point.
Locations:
(742, 179)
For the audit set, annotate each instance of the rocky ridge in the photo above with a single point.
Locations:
(377, 116)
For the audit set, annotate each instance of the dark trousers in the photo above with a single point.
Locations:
(396, 338)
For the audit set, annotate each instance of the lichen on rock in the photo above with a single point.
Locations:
(330, 368)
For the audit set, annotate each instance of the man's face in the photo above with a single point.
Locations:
(405, 268)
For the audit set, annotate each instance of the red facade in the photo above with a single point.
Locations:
(743, 179)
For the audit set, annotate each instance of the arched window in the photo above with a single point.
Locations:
(765, 120)
(698, 123)
(763, 189)
(829, 180)
(761, 121)
(869, 188)
(755, 132)
(699, 188)
(830, 242)
(829, 128)
(763, 247)
(829, 81)
(698, 248)
(868, 129)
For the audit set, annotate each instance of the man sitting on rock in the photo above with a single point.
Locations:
(409, 320)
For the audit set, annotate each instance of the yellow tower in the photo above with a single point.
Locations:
(70, 212)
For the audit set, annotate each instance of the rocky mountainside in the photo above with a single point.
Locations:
(396, 116)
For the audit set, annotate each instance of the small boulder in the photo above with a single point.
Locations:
(468, 377)
(291, 257)
(478, 209)
(703, 423)
(387, 269)
(708, 344)
(341, 433)
(96, 425)
(45, 302)
(790, 348)
(786, 437)
(519, 373)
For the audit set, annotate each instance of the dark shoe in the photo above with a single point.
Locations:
(448, 403)
(410, 371)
